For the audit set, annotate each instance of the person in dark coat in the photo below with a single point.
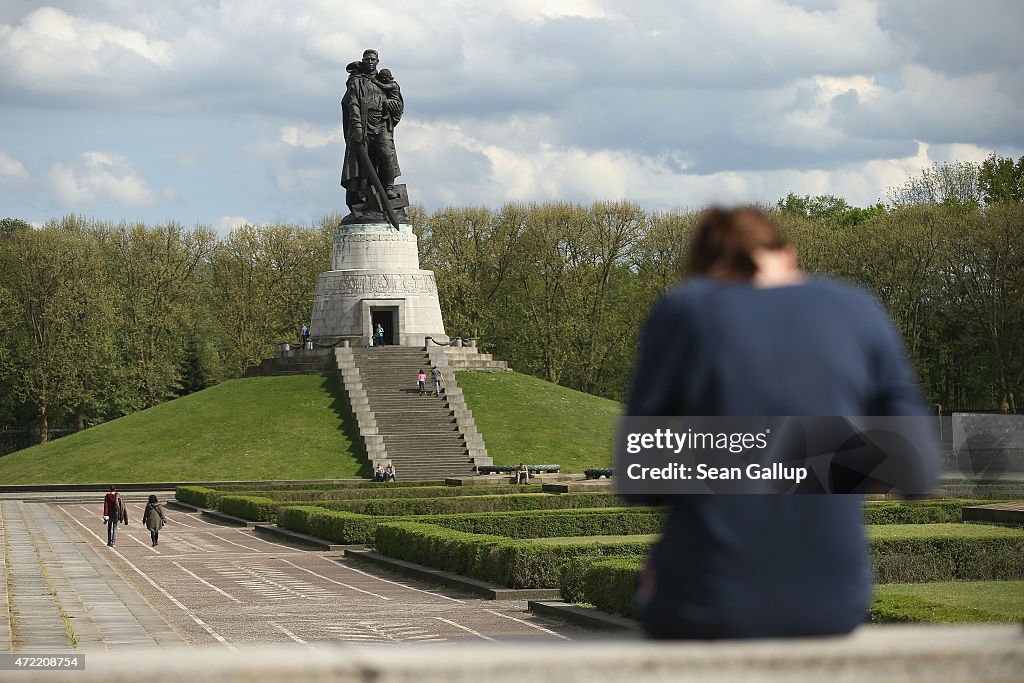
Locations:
(114, 512)
(748, 333)
(154, 520)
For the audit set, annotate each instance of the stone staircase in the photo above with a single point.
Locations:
(425, 437)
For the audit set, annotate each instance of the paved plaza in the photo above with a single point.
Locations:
(207, 584)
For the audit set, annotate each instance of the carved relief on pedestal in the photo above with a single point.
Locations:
(357, 285)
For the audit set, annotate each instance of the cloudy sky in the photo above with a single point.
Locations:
(225, 111)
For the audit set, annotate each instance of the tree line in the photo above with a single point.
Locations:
(99, 320)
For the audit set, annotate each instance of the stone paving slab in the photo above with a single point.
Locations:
(225, 586)
(63, 597)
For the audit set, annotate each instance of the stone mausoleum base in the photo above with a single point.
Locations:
(376, 278)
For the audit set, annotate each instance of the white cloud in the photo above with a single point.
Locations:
(52, 51)
(11, 169)
(226, 224)
(100, 177)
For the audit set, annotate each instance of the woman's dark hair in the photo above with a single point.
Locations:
(725, 241)
(152, 499)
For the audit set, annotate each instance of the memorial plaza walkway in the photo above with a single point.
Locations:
(211, 585)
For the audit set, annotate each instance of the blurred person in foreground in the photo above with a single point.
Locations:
(747, 333)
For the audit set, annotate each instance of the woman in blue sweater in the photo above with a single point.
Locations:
(748, 333)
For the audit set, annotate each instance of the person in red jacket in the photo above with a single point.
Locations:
(114, 511)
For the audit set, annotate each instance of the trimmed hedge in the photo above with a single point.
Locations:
(383, 494)
(916, 560)
(514, 563)
(610, 585)
(286, 486)
(485, 503)
(548, 523)
(597, 472)
(200, 496)
(917, 512)
(253, 508)
(989, 491)
(350, 528)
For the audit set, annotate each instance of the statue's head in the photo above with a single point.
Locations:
(370, 60)
(385, 76)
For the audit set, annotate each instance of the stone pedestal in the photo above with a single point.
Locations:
(376, 277)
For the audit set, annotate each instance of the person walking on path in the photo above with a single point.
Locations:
(114, 512)
(153, 518)
(422, 379)
(305, 333)
(435, 374)
(748, 333)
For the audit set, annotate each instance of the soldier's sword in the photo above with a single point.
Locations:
(382, 195)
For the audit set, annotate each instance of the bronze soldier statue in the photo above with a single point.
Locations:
(370, 110)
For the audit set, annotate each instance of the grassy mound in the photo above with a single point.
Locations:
(525, 419)
(253, 428)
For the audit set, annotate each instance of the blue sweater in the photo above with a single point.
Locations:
(765, 565)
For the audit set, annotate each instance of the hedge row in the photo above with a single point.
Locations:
(909, 560)
(387, 493)
(917, 512)
(253, 508)
(485, 503)
(354, 484)
(200, 496)
(916, 560)
(989, 491)
(610, 585)
(350, 528)
(515, 563)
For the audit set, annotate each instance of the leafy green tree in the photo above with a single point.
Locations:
(10, 226)
(60, 319)
(952, 184)
(1001, 180)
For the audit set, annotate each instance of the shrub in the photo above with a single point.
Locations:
(917, 512)
(914, 560)
(386, 493)
(597, 472)
(548, 523)
(200, 496)
(253, 508)
(610, 585)
(514, 563)
(326, 486)
(341, 527)
(484, 503)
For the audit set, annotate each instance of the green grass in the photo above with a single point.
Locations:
(525, 419)
(949, 602)
(254, 428)
(576, 540)
(895, 532)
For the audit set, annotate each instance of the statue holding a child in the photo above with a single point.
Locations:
(370, 110)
